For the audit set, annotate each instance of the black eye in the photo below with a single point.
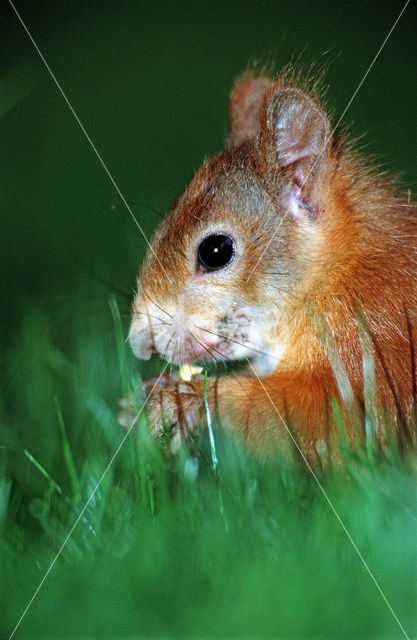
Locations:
(216, 251)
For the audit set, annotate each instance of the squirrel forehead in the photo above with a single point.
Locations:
(224, 191)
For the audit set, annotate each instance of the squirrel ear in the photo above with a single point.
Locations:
(294, 134)
(245, 108)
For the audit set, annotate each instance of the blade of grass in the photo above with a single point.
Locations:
(120, 343)
(369, 387)
(214, 459)
(213, 451)
(43, 471)
(342, 379)
(67, 454)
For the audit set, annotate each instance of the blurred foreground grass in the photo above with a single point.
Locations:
(153, 555)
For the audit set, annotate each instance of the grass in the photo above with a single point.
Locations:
(171, 548)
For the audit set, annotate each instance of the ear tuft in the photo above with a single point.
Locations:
(246, 107)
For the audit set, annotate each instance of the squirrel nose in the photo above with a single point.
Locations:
(141, 340)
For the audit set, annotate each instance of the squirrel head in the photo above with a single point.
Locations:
(235, 251)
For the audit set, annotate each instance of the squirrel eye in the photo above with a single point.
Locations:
(216, 251)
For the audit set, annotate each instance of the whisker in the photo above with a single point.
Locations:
(155, 324)
(275, 273)
(156, 305)
(205, 347)
(285, 291)
(242, 344)
(166, 221)
(149, 315)
(216, 361)
(167, 347)
(148, 207)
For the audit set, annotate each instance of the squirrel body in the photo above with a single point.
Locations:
(289, 250)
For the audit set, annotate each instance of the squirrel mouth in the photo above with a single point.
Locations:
(195, 349)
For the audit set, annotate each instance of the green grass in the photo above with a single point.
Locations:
(157, 552)
(169, 548)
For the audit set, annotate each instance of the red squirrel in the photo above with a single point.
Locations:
(284, 251)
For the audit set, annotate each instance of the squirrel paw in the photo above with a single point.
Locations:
(173, 409)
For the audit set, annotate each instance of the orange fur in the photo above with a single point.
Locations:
(321, 239)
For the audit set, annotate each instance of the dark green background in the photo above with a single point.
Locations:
(150, 83)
